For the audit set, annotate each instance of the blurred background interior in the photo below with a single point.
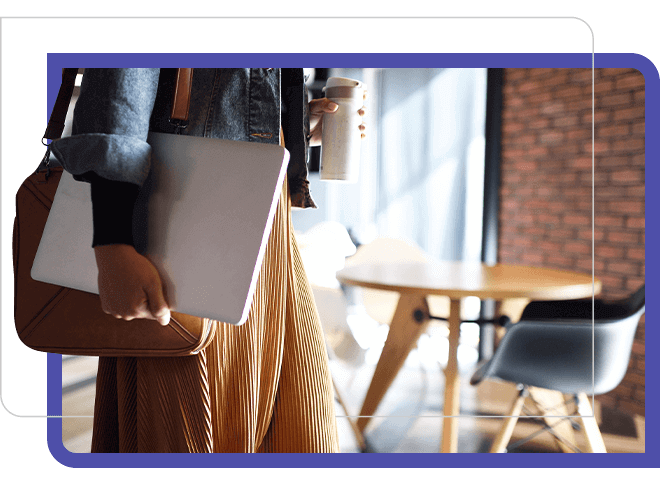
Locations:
(472, 165)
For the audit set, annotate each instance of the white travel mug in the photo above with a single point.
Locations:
(340, 150)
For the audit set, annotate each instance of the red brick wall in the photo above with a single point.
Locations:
(545, 214)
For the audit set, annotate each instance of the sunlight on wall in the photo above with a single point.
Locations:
(432, 136)
(421, 179)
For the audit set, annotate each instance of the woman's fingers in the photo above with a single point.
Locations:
(129, 285)
(157, 306)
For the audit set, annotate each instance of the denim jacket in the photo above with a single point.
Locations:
(118, 107)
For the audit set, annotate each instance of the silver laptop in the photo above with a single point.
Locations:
(203, 218)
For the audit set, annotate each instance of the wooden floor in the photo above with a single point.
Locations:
(410, 415)
(409, 419)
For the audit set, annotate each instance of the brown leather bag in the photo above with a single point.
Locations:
(60, 320)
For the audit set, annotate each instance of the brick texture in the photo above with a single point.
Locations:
(546, 190)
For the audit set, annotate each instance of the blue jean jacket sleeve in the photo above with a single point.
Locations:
(110, 125)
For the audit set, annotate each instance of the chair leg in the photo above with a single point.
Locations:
(359, 437)
(594, 438)
(504, 436)
(551, 406)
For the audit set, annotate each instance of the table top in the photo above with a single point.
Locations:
(471, 279)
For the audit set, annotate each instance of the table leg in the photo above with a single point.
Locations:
(404, 331)
(451, 408)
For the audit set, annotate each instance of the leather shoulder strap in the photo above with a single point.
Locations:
(55, 127)
(57, 117)
(180, 105)
(181, 99)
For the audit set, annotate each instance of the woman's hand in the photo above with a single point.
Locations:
(129, 285)
(317, 108)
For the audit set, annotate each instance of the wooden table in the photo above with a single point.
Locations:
(415, 281)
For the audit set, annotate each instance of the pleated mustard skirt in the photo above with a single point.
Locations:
(264, 386)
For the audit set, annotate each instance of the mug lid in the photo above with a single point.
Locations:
(337, 81)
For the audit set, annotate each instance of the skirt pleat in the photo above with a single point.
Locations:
(263, 386)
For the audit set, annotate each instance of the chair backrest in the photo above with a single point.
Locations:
(621, 308)
(636, 301)
(330, 235)
(584, 308)
(323, 249)
(569, 355)
(612, 349)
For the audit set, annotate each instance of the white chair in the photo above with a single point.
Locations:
(557, 345)
(323, 249)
